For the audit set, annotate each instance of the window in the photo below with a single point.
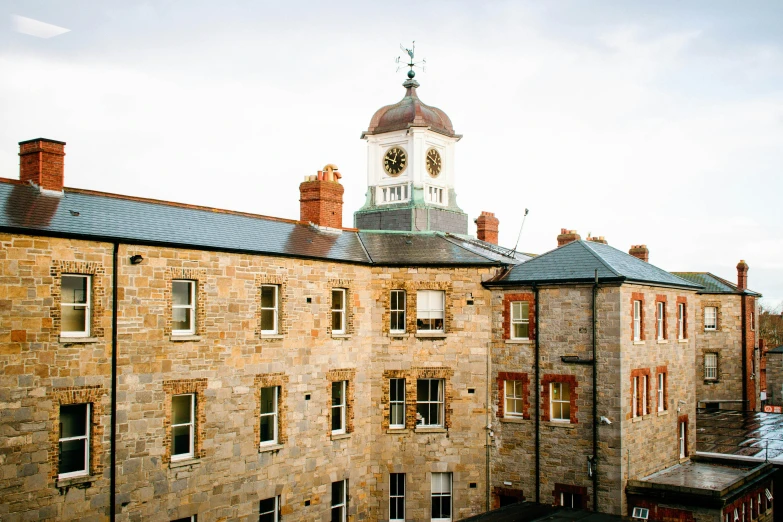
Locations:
(710, 318)
(339, 501)
(269, 401)
(338, 311)
(710, 366)
(183, 307)
(640, 513)
(74, 447)
(570, 500)
(637, 320)
(397, 311)
(661, 323)
(392, 194)
(560, 402)
(635, 403)
(645, 387)
(434, 195)
(191, 518)
(661, 389)
(514, 399)
(680, 320)
(683, 436)
(441, 496)
(269, 510)
(752, 322)
(429, 310)
(429, 402)
(397, 403)
(397, 496)
(182, 424)
(338, 406)
(75, 305)
(269, 309)
(520, 320)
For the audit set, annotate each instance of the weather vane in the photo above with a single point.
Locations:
(410, 63)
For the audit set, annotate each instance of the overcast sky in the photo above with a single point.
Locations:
(645, 122)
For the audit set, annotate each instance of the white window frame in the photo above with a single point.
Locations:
(681, 318)
(661, 309)
(396, 403)
(339, 312)
(192, 428)
(640, 513)
(190, 308)
(635, 397)
(398, 311)
(338, 409)
(645, 388)
(431, 305)
(395, 495)
(342, 504)
(710, 366)
(390, 194)
(552, 401)
(661, 390)
(752, 322)
(517, 317)
(275, 511)
(442, 488)
(682, 430)
(516, 396)
(87, 305)
(637, 320)
(710, 318)
(275, 309)
(439, 402)
(273, 414)
(85, 438)
(436, 195)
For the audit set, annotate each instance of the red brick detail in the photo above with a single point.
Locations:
(180, 387)
(638, 296)
(660, 513)
(660, 298)
(640, 372)
(742, 275)
(487, 227)
(572, 384)
(513, 376)
(531, 316)
(41, 162)
(749, 343)
(682, 419)
(640, 252)
(567, 488)
(498, 491)
(684, 302)
(321, 203)
(567, 236)
(665, 371)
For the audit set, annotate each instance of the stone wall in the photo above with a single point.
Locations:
(775, 378)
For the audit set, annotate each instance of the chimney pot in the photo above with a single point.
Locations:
(640, 252)
(487, 227)
(567, 236)
(742, 275)
(41, 163)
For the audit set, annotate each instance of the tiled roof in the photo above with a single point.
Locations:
(713, 284)
(578, 261)
(427, 249)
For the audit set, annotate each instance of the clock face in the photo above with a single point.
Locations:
(395, 160)
(433, 162)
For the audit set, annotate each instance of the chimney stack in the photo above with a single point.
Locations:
(567, 236)
(640, 252)
(487, 227)
(321, 198)
(41, 163)
(599, 239)
(742, 275)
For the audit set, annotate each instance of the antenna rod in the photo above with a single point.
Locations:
(520, 230)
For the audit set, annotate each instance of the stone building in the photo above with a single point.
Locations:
(775, 379)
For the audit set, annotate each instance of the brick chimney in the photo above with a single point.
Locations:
(321, 198)
(487, 227)
(41, 162)
(599, 239)
(742, 275)
(640, 252)
(567, 236)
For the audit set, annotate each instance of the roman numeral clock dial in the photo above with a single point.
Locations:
(395, 160)
(433, 162)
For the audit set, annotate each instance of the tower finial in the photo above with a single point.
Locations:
(410, 52)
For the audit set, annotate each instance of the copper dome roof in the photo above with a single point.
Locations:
(410, 112)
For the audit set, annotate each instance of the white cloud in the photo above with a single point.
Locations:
(37, 28)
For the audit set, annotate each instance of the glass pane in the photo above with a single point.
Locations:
(180, 409)
(337, 419)
(267, 319)
(74, 289)
(337, 492)
(397, 414)
(268, 400)
(395, 508)
(267, 517)
(180, 319)
(566, 410)
(521, 330)
(73, 421)
(437, 324)
(337, 320)
(424, 413)
(398, 320)
(422, 387)
(555, 391)
(557, 410)
(180, 292)
(72, 454)
(337, 514)
(434, 390)
(398, 484)
(180, 440)
(268, 296)
(566, 395)
(397, 389)
(267, 428)
(337, 393)
(74, 318)
(337, 299)
(267, 505)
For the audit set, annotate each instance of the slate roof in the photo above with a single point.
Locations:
(577, 262)
(426, 249)
(713, 284)
(778, 349)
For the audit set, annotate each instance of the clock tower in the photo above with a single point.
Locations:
(410, 169)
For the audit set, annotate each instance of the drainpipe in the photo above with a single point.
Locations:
(595, 401)
(744, 351)
(112, 446)
(488, 406)
(538, 399)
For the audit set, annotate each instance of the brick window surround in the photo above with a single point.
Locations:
(546, 380)
(94, 395)
(411, 377)
(97, 292)
(267, 380)
(718, 322)
(344, 374)
(665, 371)
(347, 285)
(567, 488)
(513, 376)
(639, 373)
(199, 275)
(282, 300)
(682, 419)
(660, 298)
(411, 290)
(180, 387)
(507, 300)
(684, 302)
(638, 296)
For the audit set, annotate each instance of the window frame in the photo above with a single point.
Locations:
(342, 504)
(400, 313)
(396, 402)
(87, 305)
(395, 496)
(517, 399)
(682, 436)
(645, 393)
(711, 370)
(680, 321)
(661, 391)
(441, 494)
(637, 320)
(275, 511)
(553, 401)
(275, 310)
(341, 407)
(440, 403)
(340, 312)
(191, 308)
(635, 397)
(713, 326)
(86, 438)
(523, 319)
(191, 454)
(660, 320)
(274, 414)
(420, 310)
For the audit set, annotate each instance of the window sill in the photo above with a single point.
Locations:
(638, 342)
(711, 381)
(519, 341)
(64, 339)
(433, 429)
(555, 424)
(397, 431)
(663, 341)
(75, 481)
(399, 335)
(340, 436)
(663, 412)
(682, 341)
(341, 336)
(184, 338)
(636, 419)
(513, 420)
(184, 462)
(433, 335)
(271, 337)
(270, 447)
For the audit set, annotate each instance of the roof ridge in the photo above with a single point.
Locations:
(465, 249)
(598, 257)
